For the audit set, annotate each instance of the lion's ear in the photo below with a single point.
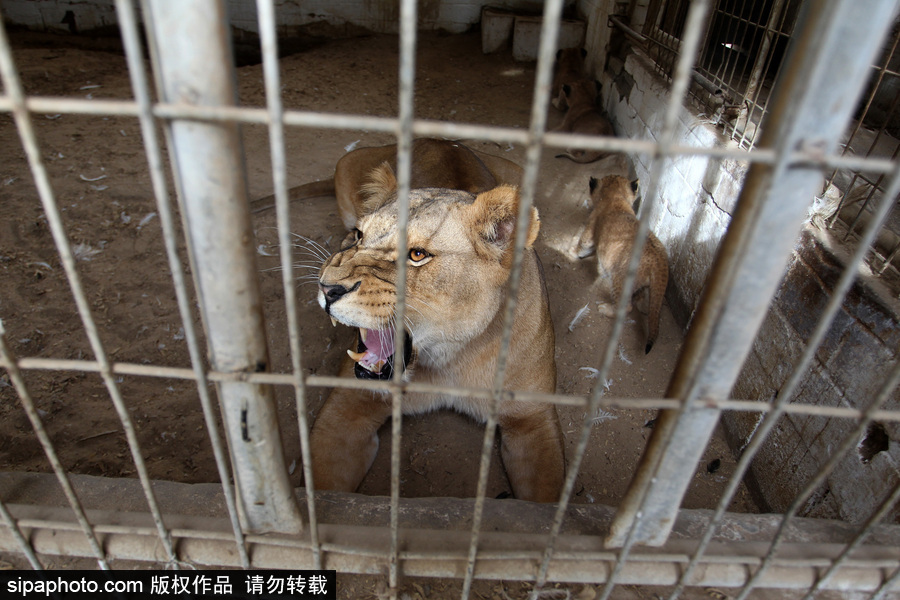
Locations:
(493, 215)
(381, 185)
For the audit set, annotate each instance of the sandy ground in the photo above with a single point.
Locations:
(100, 178)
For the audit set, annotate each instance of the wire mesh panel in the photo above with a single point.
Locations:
(651, 537)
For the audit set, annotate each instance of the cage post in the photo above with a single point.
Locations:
(834, 42)
(191, 50)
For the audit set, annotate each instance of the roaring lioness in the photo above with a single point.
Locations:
(610, 233)
(459, 260)
(583, 117)
(435, 163)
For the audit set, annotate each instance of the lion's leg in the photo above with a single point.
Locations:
(344, 438)
(531, 444)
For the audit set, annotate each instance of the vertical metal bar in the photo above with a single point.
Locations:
(13, 87)
(191, 52)
(763, 52)
(696, 17)
(406, 95)
(269, 42)
(859, 122)
(18, 381)
(141, 88)
(537, 128)
(809, 113)
(785, 395)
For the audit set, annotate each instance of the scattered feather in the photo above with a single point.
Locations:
(592, 372)
(293, 467)
(52, 117)
(83, 178)
(146, 219)
(263, 250)
(351, 146)
(89, 87)
(602, 415)
(126, 218)
(622, 355)
(579, 316)
(607, 384)
(99, 188)
(84, 252)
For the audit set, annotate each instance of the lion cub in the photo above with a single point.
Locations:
(610, 233)
(569, 69)
(583, 117)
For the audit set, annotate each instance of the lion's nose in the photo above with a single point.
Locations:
(333, 293)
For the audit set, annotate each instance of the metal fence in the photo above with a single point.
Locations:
(647, 540)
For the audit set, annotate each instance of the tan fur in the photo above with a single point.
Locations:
(583, 117)
(455, 299)
(435, 163)
(569, 70)
(610, 233)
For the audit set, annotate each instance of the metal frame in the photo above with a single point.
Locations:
(784, 164)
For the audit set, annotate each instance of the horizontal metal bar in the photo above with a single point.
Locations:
(334, 381)
(205, 540)
(444, 129)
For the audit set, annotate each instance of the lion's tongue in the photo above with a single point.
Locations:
(379, 348)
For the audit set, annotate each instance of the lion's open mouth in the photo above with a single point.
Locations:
(374, 354)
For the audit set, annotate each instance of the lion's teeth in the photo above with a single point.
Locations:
(363, 334)
(356, 356)
(333, 322)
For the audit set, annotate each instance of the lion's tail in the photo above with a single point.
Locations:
(657, 292)
(324, 187)
(583, 157)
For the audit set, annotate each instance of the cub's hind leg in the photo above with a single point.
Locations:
(531, 444)
(344, 438)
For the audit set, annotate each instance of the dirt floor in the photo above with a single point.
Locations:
(100, 178)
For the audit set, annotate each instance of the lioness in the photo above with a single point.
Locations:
(459, 260)
(569, 69)
(610, 233)
(435, 163)
(583, 117)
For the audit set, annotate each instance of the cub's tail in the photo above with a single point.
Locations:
(324, 187)
(583, 157)
(657, 290)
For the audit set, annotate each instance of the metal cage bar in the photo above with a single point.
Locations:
(131, 40)
(398, 546)
(269, 42)
(15, 92)
(215, 212)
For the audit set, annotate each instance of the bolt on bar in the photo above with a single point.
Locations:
(193, 64)
(134, 56)
(13, 86)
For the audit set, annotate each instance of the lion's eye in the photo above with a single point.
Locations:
(417, 255)
(353, 237)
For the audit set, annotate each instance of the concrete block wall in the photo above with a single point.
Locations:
(694, 208)
(454, 16)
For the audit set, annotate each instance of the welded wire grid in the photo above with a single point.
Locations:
(739, 60)
(680, 24)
